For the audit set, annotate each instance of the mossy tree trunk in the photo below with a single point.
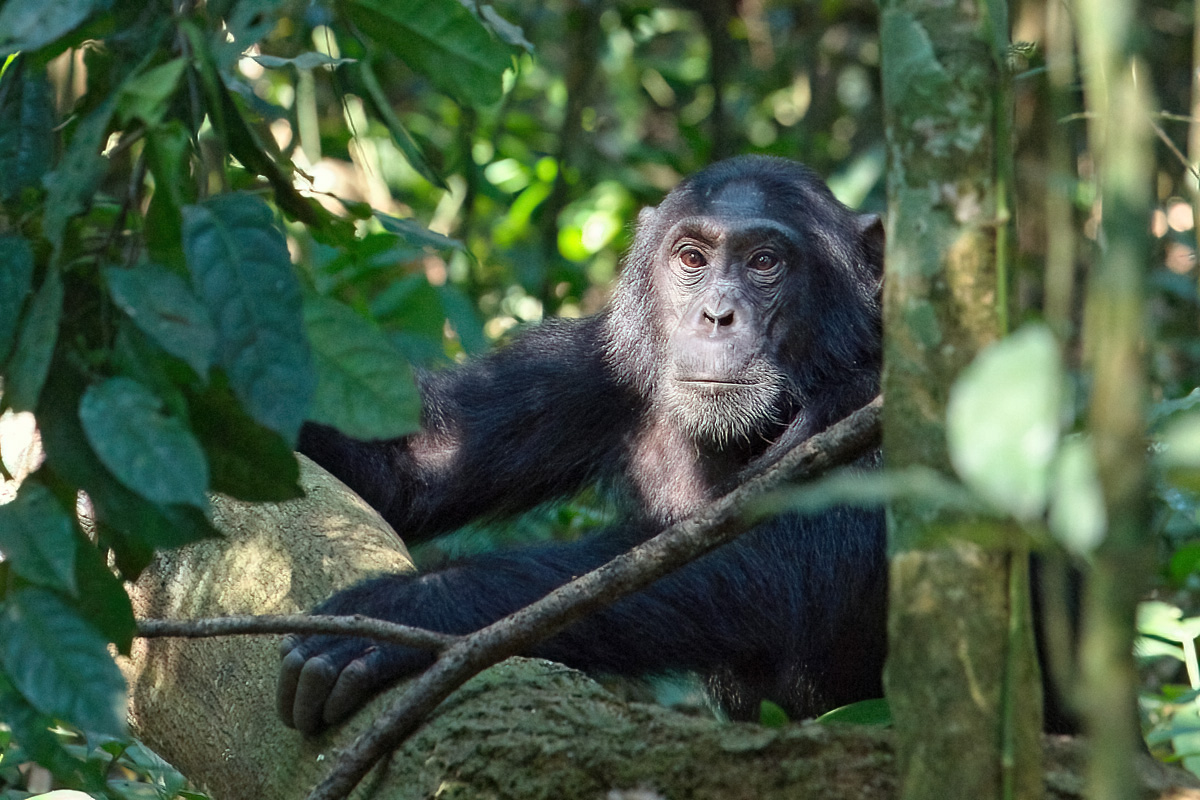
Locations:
(961, 676)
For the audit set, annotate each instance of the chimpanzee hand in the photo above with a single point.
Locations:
(324, 679)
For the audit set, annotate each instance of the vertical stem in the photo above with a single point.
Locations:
(1120, 139)
(1060, 228)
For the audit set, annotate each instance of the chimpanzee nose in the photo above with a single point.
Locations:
(720, 316)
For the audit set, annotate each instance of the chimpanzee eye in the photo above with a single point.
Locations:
(764, 259)
(692, 258)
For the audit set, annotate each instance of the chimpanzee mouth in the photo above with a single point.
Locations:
(713, 385)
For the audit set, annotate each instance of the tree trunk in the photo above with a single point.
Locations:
(961, 675)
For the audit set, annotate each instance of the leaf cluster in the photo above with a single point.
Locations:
(151, 317)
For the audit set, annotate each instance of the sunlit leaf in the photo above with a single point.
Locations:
(60, 663)
(309, 60)
(1077, 517)
(1003, 419)
(150, 452)
(440, 39)
(365, 387)
(864, 712)
(1180, 451)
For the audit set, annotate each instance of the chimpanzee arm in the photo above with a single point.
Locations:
(783, 609)
(534, 420)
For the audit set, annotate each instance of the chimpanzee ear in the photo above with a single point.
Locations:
(871, 240)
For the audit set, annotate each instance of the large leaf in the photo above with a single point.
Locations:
(131, 525)
(365, 387)
(37, 537)
(246, 460)
(241, 270)
(1077, 516)
(16, 283)
(30, 24)
(73, 184)
(27, 370)
(60, 663)
(440, 39)
(168, 150)
(147, 95)
(162, 305)
(151, 453)
(1003, 420)
(27, 108)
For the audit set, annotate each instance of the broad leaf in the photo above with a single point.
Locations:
(365, 387)
(37, 537)
(26, 137)
(60, 663)
(16, 284)
(147, 96)
(241, 270)
(1077, 517)
(415, 233)
(440, 39)
(1003, 419)
(72, 186)
(246, 460)
(26, 371)
(151, 453)
(162, 305)
(30, 24)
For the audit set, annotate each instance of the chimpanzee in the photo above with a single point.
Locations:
(750, 300)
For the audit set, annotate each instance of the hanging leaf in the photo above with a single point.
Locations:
(1003, 418)
(440, 39)
(365, 387)
(37, 537)
(60, 663)
(242, 271)
(151, 453)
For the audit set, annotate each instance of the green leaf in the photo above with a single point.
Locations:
(26, 371)
(72, 186)
(1077, 517)
(160, 303)
(771, 715)
(365, 387)
(16, 284)
(1180, 451)
(242, 271)
(60, 663)
(246, 460)
(32, 730)
(103, 599)
(147, 96)
(30, 24)
(129, 524)
(440, 39)
(37, 537)
(309, 60)
(864, 712)
(414, 232)
(153, 454)
(26, 138)
(1003, 419)
(168, 150)
(412, 151)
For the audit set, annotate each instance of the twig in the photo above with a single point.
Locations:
(356, 625)
(718, 523)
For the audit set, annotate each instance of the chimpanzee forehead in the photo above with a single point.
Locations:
(738, 199)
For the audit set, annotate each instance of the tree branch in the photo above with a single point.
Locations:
(355, 625)
(719, 523)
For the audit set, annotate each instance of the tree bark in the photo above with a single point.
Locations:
(961, 675)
